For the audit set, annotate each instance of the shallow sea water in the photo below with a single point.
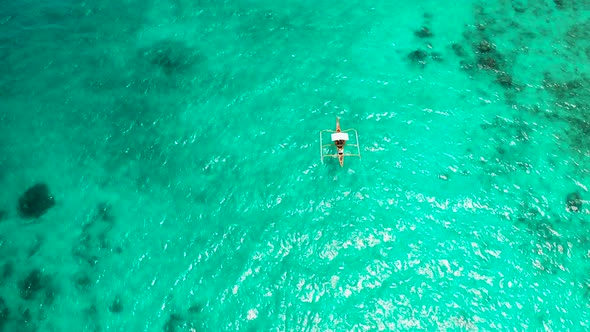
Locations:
(180, 140)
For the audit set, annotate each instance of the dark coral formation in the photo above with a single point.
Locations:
(173, 322)
(195, 308)
(504, 79)
(484, 58)
(418, 56)
(49, 295)
(94, 237)
(172, 56)
(487, 62)
(104, 212)
(183, 322)
(34, 249)
(31, 285)
(577, 33)
(459, 50)
(563, 90)
(572, 101)
(92, 315)
(35, 201)
(4, 313)
(82, 282)
(485, 46)
(7, 270)
(488, 57)
(117, 306)
(573, 202)
(519, 6)
(27, 323)
(559, 4)
(423, 33)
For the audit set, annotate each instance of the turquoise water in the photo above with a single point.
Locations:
(180, 140)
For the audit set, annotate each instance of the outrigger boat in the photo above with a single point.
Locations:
(340, 139)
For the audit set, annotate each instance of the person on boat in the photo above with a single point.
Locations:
(339, 144)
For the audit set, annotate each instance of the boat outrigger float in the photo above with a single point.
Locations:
(340, 139)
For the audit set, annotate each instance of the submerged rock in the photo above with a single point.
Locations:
(35, 201)
(31, 285)
(3, 215)
(4, 313)
(573, 202)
